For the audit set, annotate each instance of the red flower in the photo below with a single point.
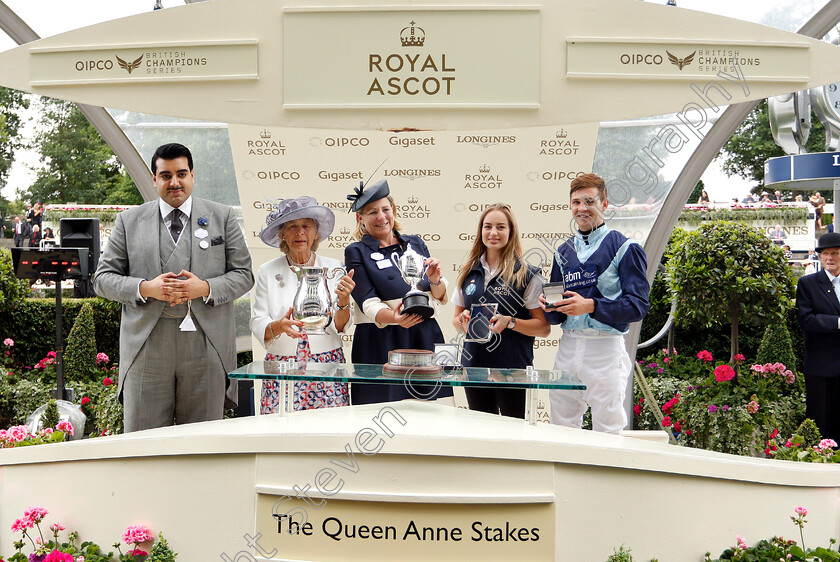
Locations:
(688, 432)
(637, 409)
(85, 401)
(666, 421)
(107, 381)
(774, 433)
(678, 426)
(705, 356)
(724, 373)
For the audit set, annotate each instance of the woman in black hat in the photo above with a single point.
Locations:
(380, 324)
(296, 226)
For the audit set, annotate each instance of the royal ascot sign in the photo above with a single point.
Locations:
(411, 58)
(690, 60)
(223, 60)
(335, 529)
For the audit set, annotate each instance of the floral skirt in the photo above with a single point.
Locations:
(307, 394)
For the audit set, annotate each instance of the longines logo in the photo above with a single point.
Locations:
(485, 141)
(556, 175)
(339, 176)
(274, 175)
(266, 146)
(339, 142)
(410, 74)
(412, 173)
(338, 205)
(483, 179)
(680, 62)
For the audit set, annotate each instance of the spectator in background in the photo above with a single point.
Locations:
(778, 234)
(35, 238)
(37, 214)
(798, 198)
(818, 201)
(21, 232)
(788, 253)
(777, 197)
(765, 197)
(704, 198)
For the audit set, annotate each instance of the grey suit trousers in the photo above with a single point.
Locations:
(177, 376)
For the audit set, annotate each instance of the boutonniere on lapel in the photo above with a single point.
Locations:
(201, 233)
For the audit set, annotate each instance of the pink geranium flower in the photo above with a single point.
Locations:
(724, 373)
(827, 444)
(102, 358)
(58, 556)
(136, 534)
(18, 432)
(752, 407)
(800, 511)
(107, 381)
(8, 342)
(705, 356)
(65, 426)
(36, 513)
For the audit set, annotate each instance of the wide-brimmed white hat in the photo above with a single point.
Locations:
(293, 209)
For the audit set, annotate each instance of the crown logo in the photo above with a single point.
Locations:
(413, 199)
(412, 36)
(344, 230)
(484, 168)
(561, 134)
(264, 134)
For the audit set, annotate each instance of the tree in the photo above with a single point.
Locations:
(752, 145)
(729, 272)
(12, 102)
(698, 191)
(78, 166)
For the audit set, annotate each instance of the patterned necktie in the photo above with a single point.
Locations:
(836, 285)
(175, 226)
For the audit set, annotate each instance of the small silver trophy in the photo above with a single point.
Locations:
(412, 267)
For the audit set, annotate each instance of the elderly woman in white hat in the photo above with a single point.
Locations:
(296, 226)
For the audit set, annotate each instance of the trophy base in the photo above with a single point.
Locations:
(417, 304)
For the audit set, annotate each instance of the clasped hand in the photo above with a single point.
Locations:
(175, 288)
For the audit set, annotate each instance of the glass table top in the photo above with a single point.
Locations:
(372, 374)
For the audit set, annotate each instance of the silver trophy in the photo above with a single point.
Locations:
(313, 302)
(412, 267)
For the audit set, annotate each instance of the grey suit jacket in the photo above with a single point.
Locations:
(133, 254)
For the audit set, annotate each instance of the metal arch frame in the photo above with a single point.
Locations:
(110, 131)
(821, 23)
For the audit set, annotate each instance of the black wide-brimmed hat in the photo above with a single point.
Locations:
(830, 240)
(363, 194)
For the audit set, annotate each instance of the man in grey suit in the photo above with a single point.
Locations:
(176, 264)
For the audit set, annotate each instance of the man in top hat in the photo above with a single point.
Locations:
(818, 310)
(176, 264)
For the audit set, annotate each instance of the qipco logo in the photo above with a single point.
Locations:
(649, 59)
(88, 65)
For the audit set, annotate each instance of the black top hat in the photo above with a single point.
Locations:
(363, 195)
(830, 240)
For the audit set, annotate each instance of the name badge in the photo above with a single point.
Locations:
(383, 264)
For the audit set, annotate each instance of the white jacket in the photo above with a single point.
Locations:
(271, 302)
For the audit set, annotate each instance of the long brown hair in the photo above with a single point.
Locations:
(510, 255)
(360, 231)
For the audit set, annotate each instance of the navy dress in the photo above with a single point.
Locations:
(376, 279)
(507, 350)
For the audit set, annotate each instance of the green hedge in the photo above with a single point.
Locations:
(31, 323)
